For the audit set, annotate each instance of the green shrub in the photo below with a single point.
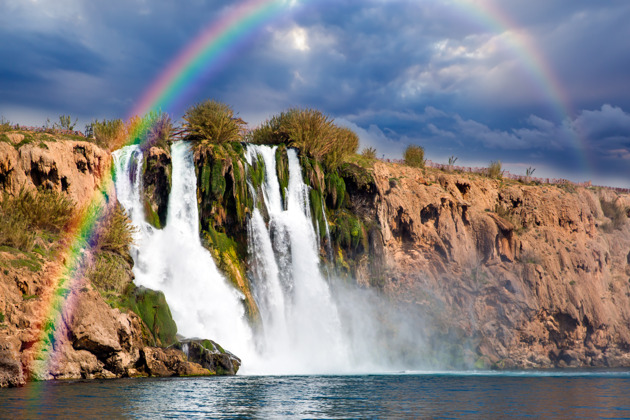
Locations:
(29, 213)
(312, 132)
(5, 125)
(369, 153)
(414, 156)
(494, 170)
(108, 133)
(65, 122)
(114, 232)
(270, 132)
(109, 272)
(212, 122)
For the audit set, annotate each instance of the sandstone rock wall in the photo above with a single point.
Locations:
(530, 276)
(73, 167)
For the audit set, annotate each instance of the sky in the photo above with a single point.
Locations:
(532, 83)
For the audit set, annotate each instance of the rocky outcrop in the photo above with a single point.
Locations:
(73, 167)
(210, 355)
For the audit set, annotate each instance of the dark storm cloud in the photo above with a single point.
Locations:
(398, 72)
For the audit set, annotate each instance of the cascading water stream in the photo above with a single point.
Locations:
(173, 260)
(302, 327)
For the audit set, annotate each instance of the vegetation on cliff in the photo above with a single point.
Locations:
(212, 122)
(414, 156)
(312, 132)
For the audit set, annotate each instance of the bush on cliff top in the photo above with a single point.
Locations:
(414, 156)
(212, 122)
(494, 170)
(311, 131)
(5, 125)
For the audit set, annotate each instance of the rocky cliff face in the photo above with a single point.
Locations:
(73, 167)
(528, 276)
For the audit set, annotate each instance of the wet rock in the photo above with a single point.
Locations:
(211, 356)
(170, 362)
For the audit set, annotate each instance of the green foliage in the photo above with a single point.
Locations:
(529, 171)
(317, 208)
(335, 190)
(108, 133)
(1, 317)
(282, 169)
(65, 122)
(615, 212)
(157, 130)
(452, 160)
(5, 125)
(114, 233)
(218, 183)
(494, 170)
(369, 153)
(311, 131)
(212, 122)
(348, 232)
(414, 156)
(28, 214)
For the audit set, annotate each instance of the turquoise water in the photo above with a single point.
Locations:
(558, 395)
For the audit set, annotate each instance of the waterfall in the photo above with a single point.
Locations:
(173, 260)
(305, 327)
(302, 329)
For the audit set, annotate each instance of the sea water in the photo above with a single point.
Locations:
(483, 395)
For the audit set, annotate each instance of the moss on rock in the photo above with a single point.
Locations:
(151, 307)
(228, 255)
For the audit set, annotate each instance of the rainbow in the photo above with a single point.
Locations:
(205, 54)
(489, 16)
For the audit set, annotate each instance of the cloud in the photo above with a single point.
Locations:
(440, 74)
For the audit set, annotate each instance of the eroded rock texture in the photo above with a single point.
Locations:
(529, 276)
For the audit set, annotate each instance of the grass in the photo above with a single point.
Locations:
(414, 156)
(5, 125)
(110, 268)
(31, 214)
(108, 133)
(494, 170)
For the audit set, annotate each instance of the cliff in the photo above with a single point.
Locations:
(526, 276)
